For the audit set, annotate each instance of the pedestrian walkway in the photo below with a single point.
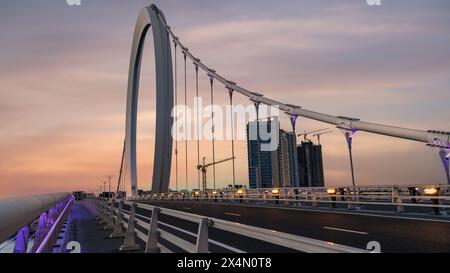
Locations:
(91, 236)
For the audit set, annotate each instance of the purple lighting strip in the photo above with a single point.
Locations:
(45, 224)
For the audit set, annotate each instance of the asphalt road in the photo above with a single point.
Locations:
(394, 233)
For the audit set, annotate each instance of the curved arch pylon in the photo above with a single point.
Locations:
(150, 17)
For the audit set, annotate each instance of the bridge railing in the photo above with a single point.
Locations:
(400, 197)
(33, 220)
(147, 223)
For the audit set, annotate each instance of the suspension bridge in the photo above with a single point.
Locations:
(350, 218)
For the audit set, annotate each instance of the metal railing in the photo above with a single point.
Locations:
(35, 219)
(154, 233)
(401, 197)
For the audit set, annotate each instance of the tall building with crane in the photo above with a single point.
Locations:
(310, 161)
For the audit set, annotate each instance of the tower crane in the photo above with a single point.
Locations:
(204, 168)
(321, 133)
(305, 133)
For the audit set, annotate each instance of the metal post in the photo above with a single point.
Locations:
(130, 235)
(213, 129)
(230, 92)
(110, 217)
(398, 200)
(349, 137)
(258, 150)
(40, 233)
(118, 226)
(202, 237)
(153, 233)
(185, 121)
(314, 199)
(445, 157)
(22, 238)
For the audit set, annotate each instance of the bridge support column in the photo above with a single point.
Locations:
(202, 236)
(153, 233)
(118, 225)
(130, 235)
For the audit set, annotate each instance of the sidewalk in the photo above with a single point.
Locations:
(91, 236)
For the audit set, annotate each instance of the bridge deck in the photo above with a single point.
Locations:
(90, 235)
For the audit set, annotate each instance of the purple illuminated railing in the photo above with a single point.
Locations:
(21, 214)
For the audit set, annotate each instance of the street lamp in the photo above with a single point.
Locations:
(433, 192)
(332, 193)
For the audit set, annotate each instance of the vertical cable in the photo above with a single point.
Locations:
(185, 119)
(211, 80)
(230, 92)
(176, 128)
(198, 126)
(258, 149)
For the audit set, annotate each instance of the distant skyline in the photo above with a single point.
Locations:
(64, 69)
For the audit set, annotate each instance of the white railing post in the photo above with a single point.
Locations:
(202, 236)
(118, 225)
(398, 200)
(110, 217)
(153, 233)
(130, 235)
(313, 199)
(104, 213)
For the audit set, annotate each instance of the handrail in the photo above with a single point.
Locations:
(286, 240)
(17, 212)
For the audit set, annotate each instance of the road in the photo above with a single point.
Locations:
(395, 233)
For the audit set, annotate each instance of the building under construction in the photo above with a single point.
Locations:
(310, 164)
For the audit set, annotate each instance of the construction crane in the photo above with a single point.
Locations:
(321, 133)
(305, 133)
(205, 166)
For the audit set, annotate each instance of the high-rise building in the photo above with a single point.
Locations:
(310, 165)
(277, 168)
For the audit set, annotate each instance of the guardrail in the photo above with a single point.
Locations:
(155, 232)
(436, 197)
(35, 219)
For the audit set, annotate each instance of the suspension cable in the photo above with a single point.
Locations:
(176, 105)
(185, 119)
(198, 126)
(121, 168)
(230, 92)
(258, 149)
(211, 80)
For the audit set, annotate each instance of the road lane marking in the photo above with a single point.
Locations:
(346, 230)
(232, 214)
(185, 208)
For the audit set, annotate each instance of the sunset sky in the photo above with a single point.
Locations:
(64, 69)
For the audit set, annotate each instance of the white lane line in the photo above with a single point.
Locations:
(346, 230)
(185, 208)
(232, 214)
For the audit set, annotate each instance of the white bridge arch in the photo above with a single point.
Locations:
(151, 17)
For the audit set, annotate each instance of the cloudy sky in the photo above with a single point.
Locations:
(63, 78)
